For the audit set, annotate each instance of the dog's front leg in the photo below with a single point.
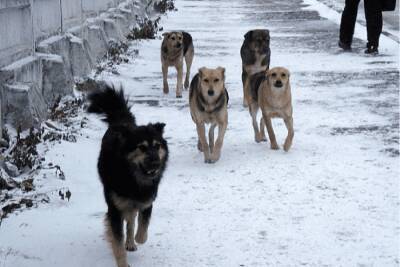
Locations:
(188, 60)
(220, 140)
(201, 132)
(245, 84)
(179, 69)
(253, 112)
(165, 78)
(114, 232)
(143, 225)
(130, 227)
(211, 137)
(262, 129)
(289, 138)
(271, 134)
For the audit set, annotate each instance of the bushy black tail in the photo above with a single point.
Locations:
(112, 104)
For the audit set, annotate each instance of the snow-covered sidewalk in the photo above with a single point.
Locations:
(333, 200)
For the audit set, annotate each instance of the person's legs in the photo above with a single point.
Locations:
(373, 16)
(348, 22)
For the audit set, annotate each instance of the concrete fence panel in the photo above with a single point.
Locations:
(71, 12)
(46, 18)
(95, 7)
(15, 30)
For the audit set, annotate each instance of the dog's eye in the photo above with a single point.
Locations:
(180, 38)
(273, 74)
(157, 146)
(283, 75)
(205, 80)
(173, 38)
(216, 80)
(142, 147)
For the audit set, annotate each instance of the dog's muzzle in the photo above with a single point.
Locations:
(210, 92)
(278, 84)
(151, 167)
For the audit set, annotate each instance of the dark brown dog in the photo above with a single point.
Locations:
(256, 54)
(175, 47)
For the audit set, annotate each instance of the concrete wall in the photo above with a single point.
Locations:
(47, 18)
(24, 23)
(15, 30)
(46, 44)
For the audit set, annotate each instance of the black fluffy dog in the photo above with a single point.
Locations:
(131, 163)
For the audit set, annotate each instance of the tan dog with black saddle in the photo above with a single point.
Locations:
(208, 101)
(271, 92)
(175, 47)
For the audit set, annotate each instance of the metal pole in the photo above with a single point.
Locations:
(82, 26)
(33, 28)
(81, 11)
(61, 17)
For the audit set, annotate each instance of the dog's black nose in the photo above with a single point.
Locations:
(210, 92)
(278, 83)
(178, 45)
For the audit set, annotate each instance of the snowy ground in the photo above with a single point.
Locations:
(333, 200)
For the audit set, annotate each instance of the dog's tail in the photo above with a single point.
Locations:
(113, 104)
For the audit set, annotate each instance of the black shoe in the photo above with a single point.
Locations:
(344, 46)
(372, 50)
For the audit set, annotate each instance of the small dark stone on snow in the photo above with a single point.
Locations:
(3, 143)
(11, 169)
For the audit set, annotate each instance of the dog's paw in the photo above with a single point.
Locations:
(287, 146)
(166, 89)
(212, 159)
(178, 95)
(186, 85)
(130, 245)
(274, 146)
(141, 237)
(209, 161)
(259, 138)
(215, 156)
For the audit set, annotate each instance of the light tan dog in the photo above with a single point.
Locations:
(271, 92)
(208, 101)
(175, 47)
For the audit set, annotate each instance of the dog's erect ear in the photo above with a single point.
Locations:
(166, 34)
(248, 35)
(159, 126)
(201, 72)
(267, 75)
(267, 34)
(222, 70)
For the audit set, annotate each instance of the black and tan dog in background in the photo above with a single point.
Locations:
(270, 91)
(131, 164)
(176, 46)
(208, 99)
(255, 54)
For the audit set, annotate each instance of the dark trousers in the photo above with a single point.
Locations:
(373, 16)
